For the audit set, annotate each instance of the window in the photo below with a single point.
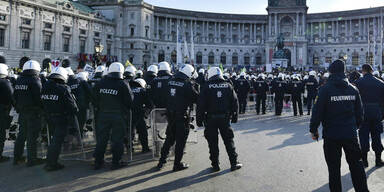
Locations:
(66, 44)
(97, 34)
(2, 37)
(316, 60)
(109, 36)
(328, 60)
(355, 59)
(146, 33)
(132, 46)
(82, 46)
(26, 22)
(199, 58)
(109, 47)
(67, 29)
(369, 59)
(235, 59)
(47, 42)
(330, 39)
(83, 32)
(48, 25)
(131, 59)
(258, 60)
(3, 17)
(211, 58)
(223, 59)
(25, 35)
(132, 31)
(247, 60)
(132, 15)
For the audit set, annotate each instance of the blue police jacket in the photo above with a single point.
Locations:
(338, 108)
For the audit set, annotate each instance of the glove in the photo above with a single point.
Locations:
(234, 118)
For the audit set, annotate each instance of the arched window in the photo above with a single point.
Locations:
(199, 58)
(355, 58)
(174, 57)
(235, 59)
(211, 58)
(223, 58)
(369, 58)
(328, 58)
(161, 56)
(316, 60)
(247, 59)
(258, 59)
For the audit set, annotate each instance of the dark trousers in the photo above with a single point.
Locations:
(211, 133)
(5, 123)
(59, 126)
(82, 118)
(29, 130)
(242, 104)
(260, 100)
(310, 99)
(141, 128)
(332, 152)
(177, 131)
(374, 128)
(279, 104)
(110, 126)
(296, 102)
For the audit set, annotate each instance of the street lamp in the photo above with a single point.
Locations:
(97, 57)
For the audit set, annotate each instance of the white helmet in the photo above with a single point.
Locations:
(234, 74)
(376, 73)
(281, 75)
(306, 77)
(130, 70)
(187, 70)
(242, 74)
(82, 75)
(326, 75)
(312, 73)
(195, 75)
(270, 76)
(59, 73)
(116, 70)
(261, 75)
(44, 73)
(227, 75)
(105, 72)
(201, 71)
(100, 69)
(164, 66)
(142, 82)
(3, 70)
(253, 77)
(382, 76)
(214, 71)
(139, 73)
(153, 68)
(32, 65)
(70, 72)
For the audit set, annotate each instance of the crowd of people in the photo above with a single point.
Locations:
(124, 96)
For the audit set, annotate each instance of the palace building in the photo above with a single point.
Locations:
(145, 34)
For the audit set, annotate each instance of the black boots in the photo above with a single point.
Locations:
(180, 166)
(379, 161)
(236, 166)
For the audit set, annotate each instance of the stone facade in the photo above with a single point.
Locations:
(52, 30)
(146, 34)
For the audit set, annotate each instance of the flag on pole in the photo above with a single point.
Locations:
(179, 57)
(192, 48)
(221, 67)
(128, 63)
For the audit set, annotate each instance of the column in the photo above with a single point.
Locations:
(337, 31)
(311, 32)
(360, 29)
(158, 28)
(250, 32)
(350, 30)
(215, 35)
(227, 33)
(304, 25)
(262, 33)
(230, 32)
(166, 29)
(364, 29)
(203, 31)
(319, 32)
(276, 33)
(239, 33)
(269, 25)
(333, 29)
(297, 24)
(219, 35)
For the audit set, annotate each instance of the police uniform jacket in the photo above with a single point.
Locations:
(57, 99)
(217, 97)
(279, 87)
(260, 86)
(141, 100)
(27, 93)
(243, 87)
(312, 85)
(6, 96)
(159, 89)
(338, 108)
(81, 90)
(182, 94)
(296, 87)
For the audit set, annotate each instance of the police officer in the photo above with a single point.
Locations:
(83, 94)
(182, 94)
(151, 74)
(261, 89)
(339, 109)
(97, 76)
(28, 105)
(372, 94)
(139, 74)
(217, 107)
(159, 88)
(297, 88)
(141, 107)
(58, 104)
(243, 88)
(130, 73)
(312, 85)
(113, 99)
(279, 87)
(6, 102)
(201, 79)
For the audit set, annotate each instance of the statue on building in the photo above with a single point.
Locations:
(280, 53)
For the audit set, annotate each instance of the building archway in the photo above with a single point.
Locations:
(199, 58)
(286, 27)
(223, 58)
(247, 59)
(211, 58)
(235, 59)
(2, 60)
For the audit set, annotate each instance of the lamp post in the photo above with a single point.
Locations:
(97, 57)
